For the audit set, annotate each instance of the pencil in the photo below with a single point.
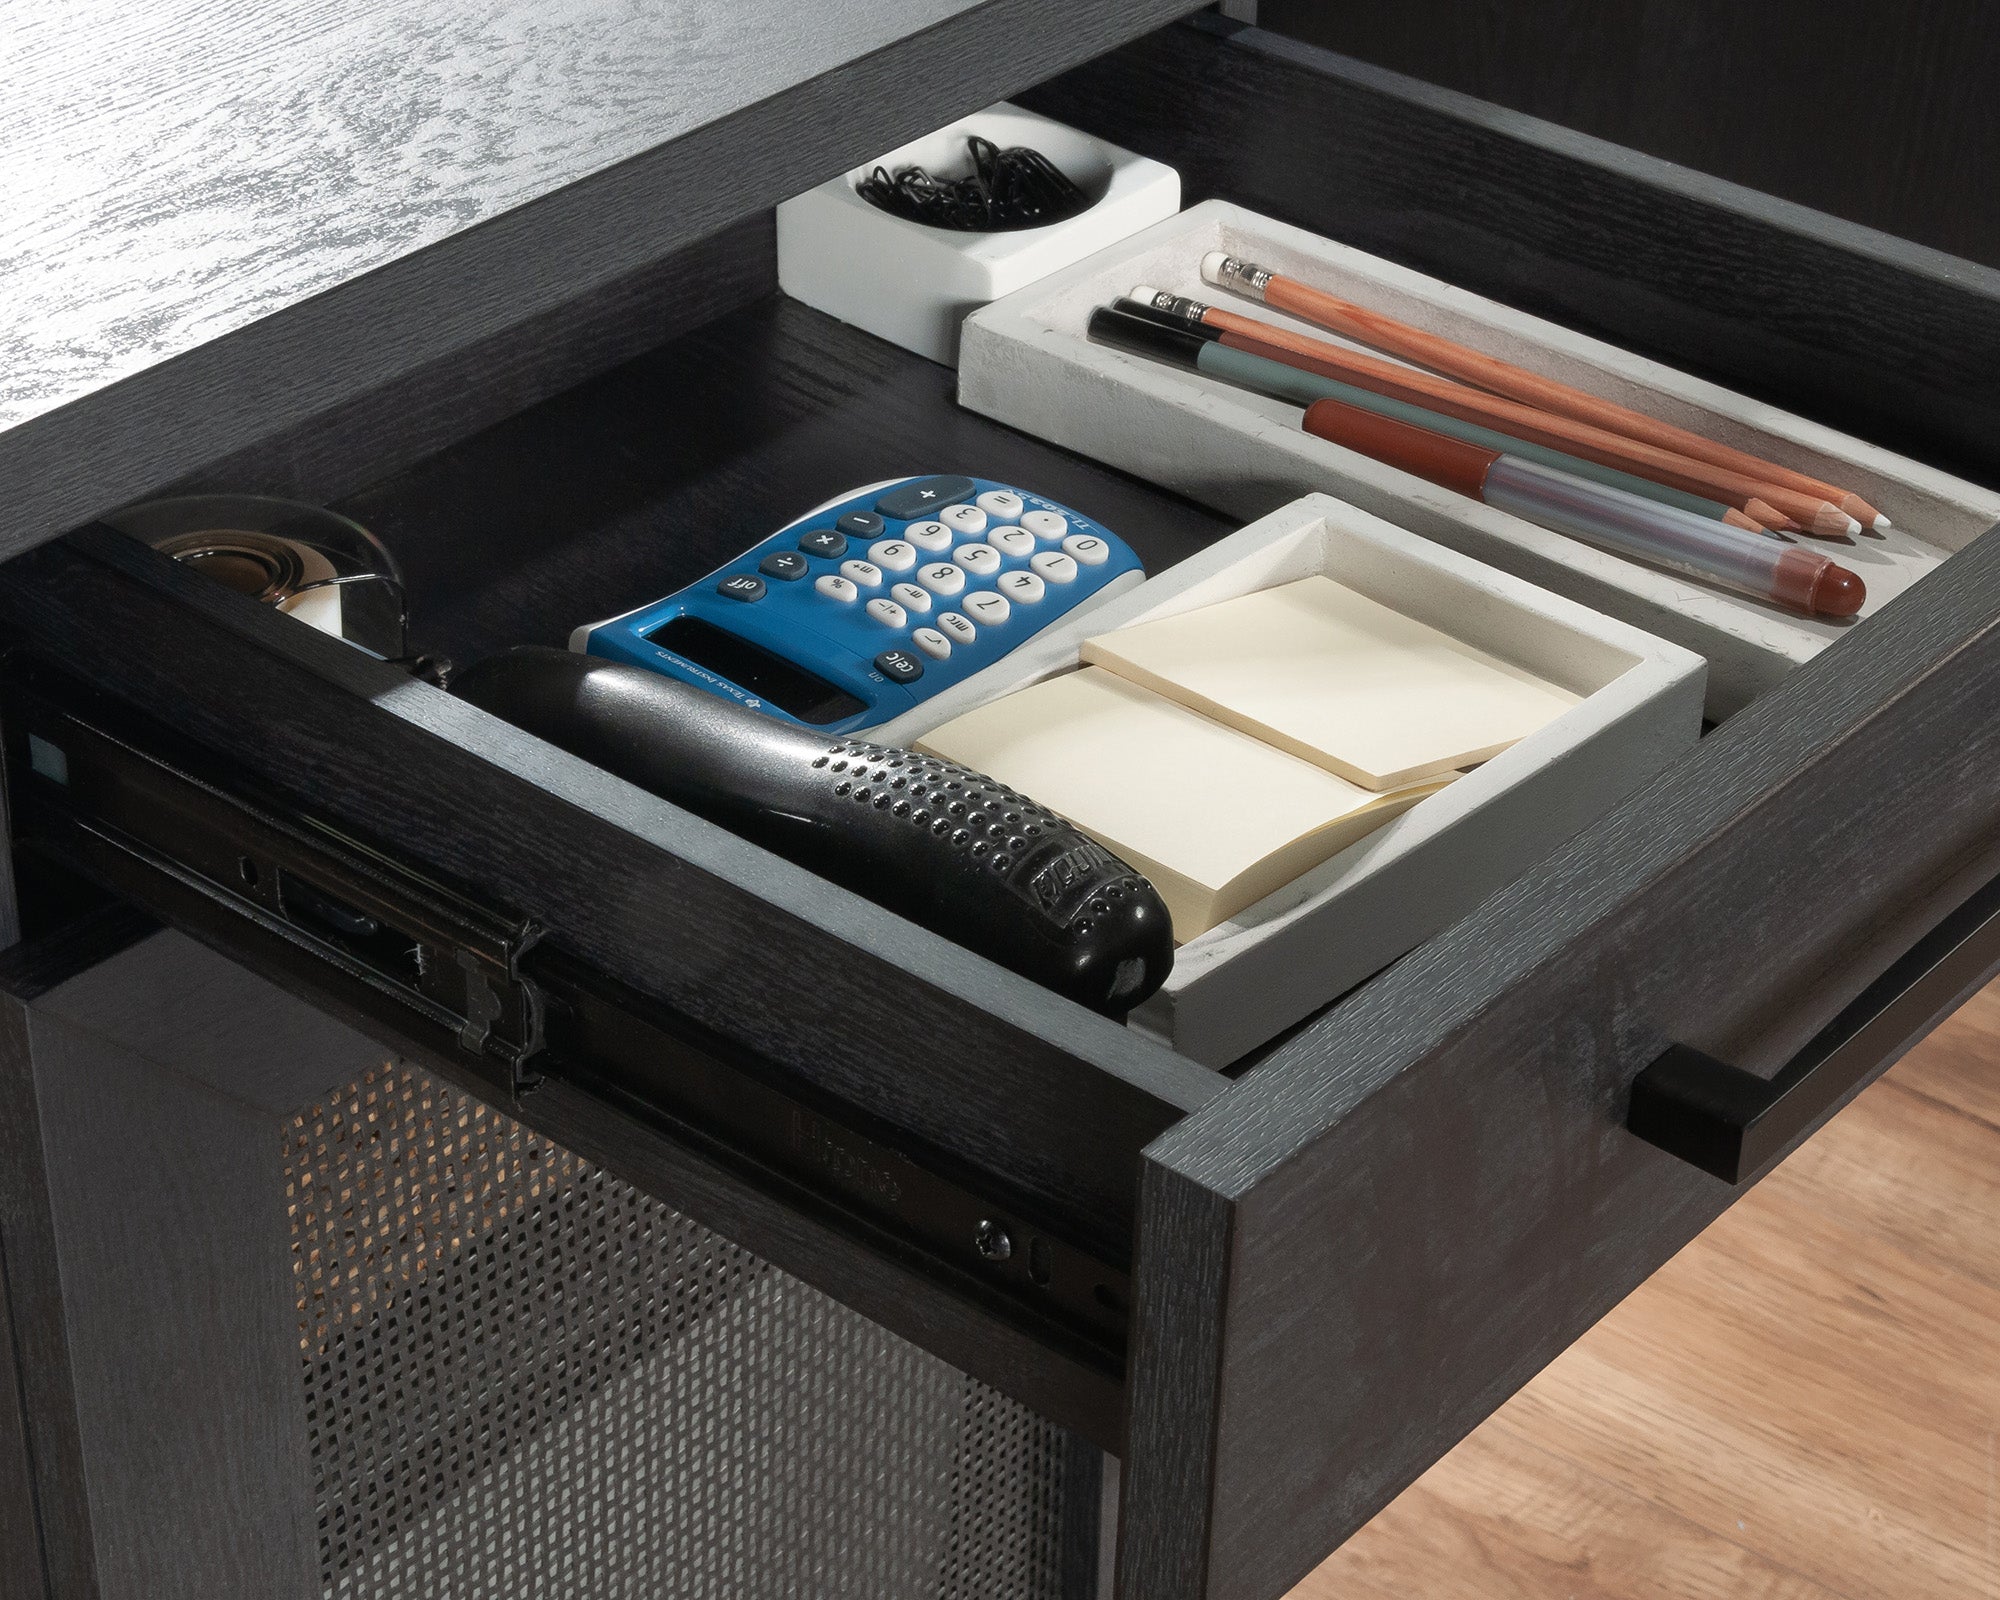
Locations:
(1447, 356)
(1281, 382)
(1811, 513)
(1207, 355)
(1627, 524)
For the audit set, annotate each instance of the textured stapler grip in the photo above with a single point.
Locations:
(945, 846)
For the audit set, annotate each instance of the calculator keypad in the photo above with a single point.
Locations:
(930, 567)
(1013, 533)
(923, 497)
(899, 666)
(987, 607)
(981, 560)
(941, 577)
(893, 555)
(1023, 588)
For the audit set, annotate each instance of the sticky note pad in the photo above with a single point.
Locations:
(1337, 679)
(1215, 819)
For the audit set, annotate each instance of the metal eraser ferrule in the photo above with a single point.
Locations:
(1244, 277)
(1180, 305)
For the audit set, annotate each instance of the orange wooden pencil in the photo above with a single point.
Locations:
(1399, 339)
(1809, 513)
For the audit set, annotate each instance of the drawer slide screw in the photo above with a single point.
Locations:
(992, 1242)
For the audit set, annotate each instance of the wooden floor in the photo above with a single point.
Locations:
(1804, 1404)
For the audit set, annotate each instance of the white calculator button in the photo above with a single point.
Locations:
(931, 642)
(932, 536)
(893, 555)
(1091, 551)
(1024, 588)
(981, 560)
(888, 613)
(838, 589)
(958, 627)
(1002, 505)
(1045, 524)
(909, 595)
(1055, 566)
(988, 607)
(865, 573)
(966, 519)
(941, 577)
(1012, 542)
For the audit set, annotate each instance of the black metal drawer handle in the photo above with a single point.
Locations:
(1736, 1125)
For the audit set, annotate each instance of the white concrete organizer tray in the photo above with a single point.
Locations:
(1246, 980)
(912, 284)
(1025, 361)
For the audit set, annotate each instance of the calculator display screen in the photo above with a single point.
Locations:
(772, 678)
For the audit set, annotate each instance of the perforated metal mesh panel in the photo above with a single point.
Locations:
(524, 1378)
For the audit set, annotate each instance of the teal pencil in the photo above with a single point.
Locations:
(1299, 388)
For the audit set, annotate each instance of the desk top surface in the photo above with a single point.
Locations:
(175, 171)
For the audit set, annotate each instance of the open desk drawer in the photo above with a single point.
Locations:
(1278, 1296)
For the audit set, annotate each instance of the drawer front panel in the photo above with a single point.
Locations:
(1409, 1209)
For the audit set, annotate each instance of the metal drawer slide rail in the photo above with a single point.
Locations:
(478, 985)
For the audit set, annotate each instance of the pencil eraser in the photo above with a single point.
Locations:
(1145, 293)
(1211, 267)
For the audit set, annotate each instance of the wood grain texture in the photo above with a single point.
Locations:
(1802, 1404)
(46, 1393)
(1503, 1518)
(1879, 337)
(1697, 83)
(178, 174)
(1431, 1189)
(21, 1569)
(374, 434)
(10, 893)
(1179, 1322)
(203, 268)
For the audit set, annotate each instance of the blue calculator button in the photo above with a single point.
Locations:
(922, 497)
(887, 596)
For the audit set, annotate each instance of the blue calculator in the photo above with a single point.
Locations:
(867, 605)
